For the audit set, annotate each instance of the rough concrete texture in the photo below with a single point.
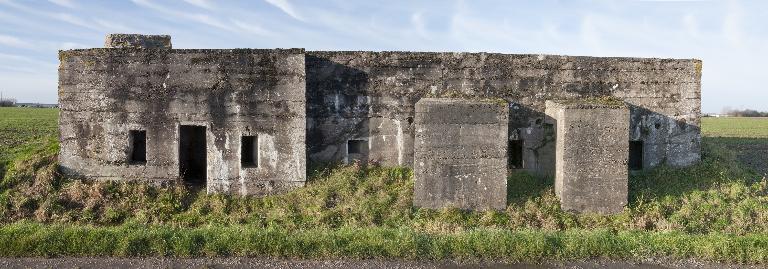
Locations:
(591, 154)
(460, 153)
(138, 41)
(352, 95)
(106, 93)
(139, 83)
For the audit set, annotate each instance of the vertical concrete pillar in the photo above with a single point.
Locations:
(460, 154)
(591, 154)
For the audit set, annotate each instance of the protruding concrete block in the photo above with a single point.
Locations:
(138, 41)
(592, 148)
(460, 154)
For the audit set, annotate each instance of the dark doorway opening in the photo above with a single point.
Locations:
(249, 153)
(356, 146)
(192, 154)
(138, 147)
(635, 155)
(515, 154)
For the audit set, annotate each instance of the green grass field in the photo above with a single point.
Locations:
(715, 210)
(735, 127)
(23, 130)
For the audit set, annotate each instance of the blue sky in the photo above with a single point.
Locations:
(731, 37)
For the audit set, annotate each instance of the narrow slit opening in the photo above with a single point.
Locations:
(635, 161)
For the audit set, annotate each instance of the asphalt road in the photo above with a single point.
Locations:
(106, 262)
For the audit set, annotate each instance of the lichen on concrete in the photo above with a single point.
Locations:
(305, 106)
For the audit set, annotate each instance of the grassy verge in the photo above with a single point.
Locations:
(714, 210)
(24, 239)
(716, 195)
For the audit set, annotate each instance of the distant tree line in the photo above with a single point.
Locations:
(6, 102)
(744, 113)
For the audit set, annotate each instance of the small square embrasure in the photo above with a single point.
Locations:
(357, 146)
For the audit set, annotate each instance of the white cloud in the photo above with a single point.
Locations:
(30, 86)
(20, 62)
(201, 4)
(732, 24)
(286, 7)
(71, 45)
(64, 17)
(13, 41)
(417, 20)
(196, 17)
(112, 26)
(672, 1)
(250, 27)
(63, 3)
(71, 19)
(590, 34)
(691, 25)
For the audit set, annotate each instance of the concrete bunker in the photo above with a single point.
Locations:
(266, 111)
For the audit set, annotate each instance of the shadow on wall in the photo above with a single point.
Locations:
(662, 139)
(655, 140)
(346, 121)
(531, 133)
(337, 107)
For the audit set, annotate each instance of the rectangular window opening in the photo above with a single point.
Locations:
(138, 147)
(515, 154)
(635, 155)
(193, 164)
(249, 152)
(357, 146)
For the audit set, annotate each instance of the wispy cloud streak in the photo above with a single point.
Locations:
(287, 8)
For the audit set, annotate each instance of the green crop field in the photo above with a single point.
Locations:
(735, 127)
(715, 210)
(23, 130)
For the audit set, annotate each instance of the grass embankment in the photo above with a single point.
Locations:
(714, 210)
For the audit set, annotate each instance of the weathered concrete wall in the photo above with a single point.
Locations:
(105, 93)
(460, 153)
(592, 147)
(140, 83)
(136, 41)
(372, 95)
